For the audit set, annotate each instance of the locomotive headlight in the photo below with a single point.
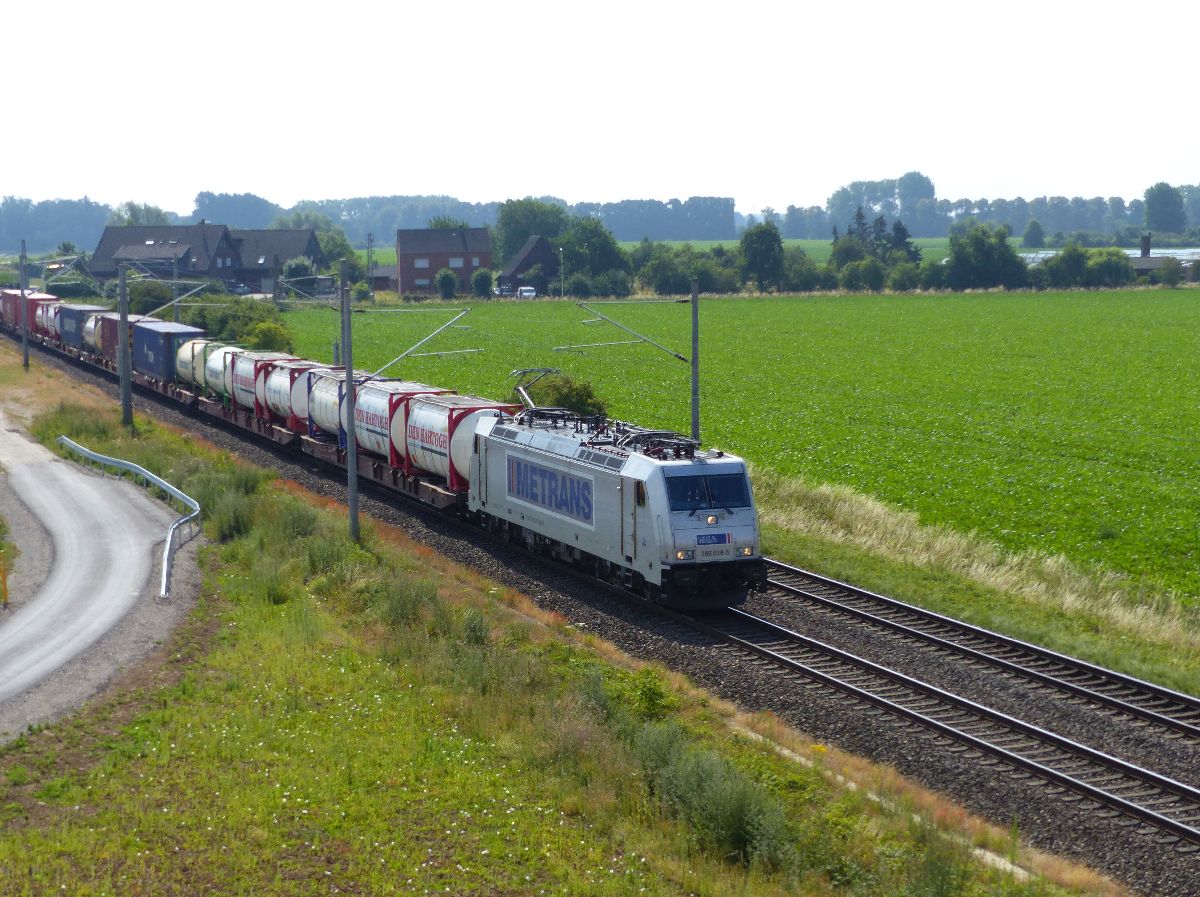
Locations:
(746, 551)
(712, 519)
(685, 555)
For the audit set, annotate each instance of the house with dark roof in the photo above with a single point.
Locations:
(422, 252)
(204, 252)
(263, 253)
(536, 251)
(189, 250)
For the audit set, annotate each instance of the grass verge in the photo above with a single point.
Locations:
(359, 718)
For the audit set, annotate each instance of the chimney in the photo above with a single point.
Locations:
(1145, 246)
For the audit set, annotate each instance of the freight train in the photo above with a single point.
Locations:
(648, 510)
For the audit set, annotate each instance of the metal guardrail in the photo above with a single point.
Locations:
(129, 467)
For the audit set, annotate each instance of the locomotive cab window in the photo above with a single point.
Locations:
(699, 493)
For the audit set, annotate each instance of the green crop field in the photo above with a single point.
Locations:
(1056, 422)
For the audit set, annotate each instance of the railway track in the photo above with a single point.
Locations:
(1175, 714)
(1158, 805)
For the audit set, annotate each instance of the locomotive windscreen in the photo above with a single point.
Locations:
(700, 493)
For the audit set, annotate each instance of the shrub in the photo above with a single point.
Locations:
(446, 282)
(146, 296)
(732, 814)
(564, 391)
(481, 283)
(270, 335)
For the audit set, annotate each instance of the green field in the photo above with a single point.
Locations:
(1053, 422)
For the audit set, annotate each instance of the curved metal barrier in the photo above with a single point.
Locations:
(152, 479)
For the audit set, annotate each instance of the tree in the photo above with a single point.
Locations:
(446, 222)
(304, 218)
(335, 247)
(589, 248)
(1066, 268)
(66, 247)
(981, 258)
(133, 214)
(446, 282)
(1170, 273)
(904, 277)
(481, 283)
(1164, 209)
(235, 209)
(1034, 237)
(300, 273)
(519, 219)
(762, 255)
(146, 296)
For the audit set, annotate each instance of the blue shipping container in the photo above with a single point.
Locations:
(155, 345)
(71, 318)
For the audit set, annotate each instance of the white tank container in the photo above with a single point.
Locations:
(189, 361)
(379, 414)
(440, 431)
(217, 375)
(243, 376)
(325, 400)
(91, 328)
(55, 331)
(286, 388)
(44, 315)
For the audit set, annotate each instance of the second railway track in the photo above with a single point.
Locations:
(1175, 713)
(1163, 807)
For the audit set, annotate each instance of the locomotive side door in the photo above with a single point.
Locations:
(629, 491)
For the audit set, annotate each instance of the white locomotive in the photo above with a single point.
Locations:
(645, 508)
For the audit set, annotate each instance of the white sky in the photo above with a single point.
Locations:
(773, 103)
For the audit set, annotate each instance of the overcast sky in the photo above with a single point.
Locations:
(773, 103)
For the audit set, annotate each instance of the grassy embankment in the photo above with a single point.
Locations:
(372, 719)
(1022, 461)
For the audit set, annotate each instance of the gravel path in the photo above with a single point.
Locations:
(84, 593)
(1050, 823)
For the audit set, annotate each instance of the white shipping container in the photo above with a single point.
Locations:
(440, 430)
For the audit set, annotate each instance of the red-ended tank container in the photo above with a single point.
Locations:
(440, 433)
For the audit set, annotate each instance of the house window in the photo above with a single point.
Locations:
(220, 263)
(420, 263)
(422, 281)
(474, 261)
(456, 262)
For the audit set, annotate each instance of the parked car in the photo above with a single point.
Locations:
(238, 289)
(526, 293)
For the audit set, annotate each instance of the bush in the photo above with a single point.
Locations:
(481, 283)
(272, 336)
(361, 291)
(146, 296)
(904, 278)
(564, 391)
(732, 814)
(446, 282)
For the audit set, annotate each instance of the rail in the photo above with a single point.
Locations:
(152, 479)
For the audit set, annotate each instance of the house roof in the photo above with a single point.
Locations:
(202, 240)
(424, 239)
(521, 261)
(152, 251)
(266, 250)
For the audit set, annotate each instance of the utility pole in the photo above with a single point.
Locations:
(348, 404)
(175, 287)
(24, 309)
(123, 360)
(371, 264)
(696, 359)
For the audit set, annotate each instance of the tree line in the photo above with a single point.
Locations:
(1091, 221)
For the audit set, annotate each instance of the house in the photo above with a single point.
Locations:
(188, 251)
(263, 253)
(536, 251)
(422, 252)
(204, 252)
(383, 277)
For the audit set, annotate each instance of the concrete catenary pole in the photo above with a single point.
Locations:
(24, 310)
(348, 400)
(123, 359)
(695, 359)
